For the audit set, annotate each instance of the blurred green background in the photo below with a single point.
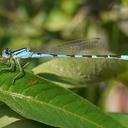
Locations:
(36, 23)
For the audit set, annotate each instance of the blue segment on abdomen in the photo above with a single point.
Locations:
(78, 56)
(62, 56)
(94, 56)
(38, 55)
(124, 57)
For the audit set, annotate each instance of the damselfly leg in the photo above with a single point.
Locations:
(21, 73)
(11, 67)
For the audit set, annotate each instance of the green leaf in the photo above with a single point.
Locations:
(120, 117)
(43, 101)
(80, 72)
(10, 119)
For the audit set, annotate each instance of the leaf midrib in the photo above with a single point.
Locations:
(50, 105)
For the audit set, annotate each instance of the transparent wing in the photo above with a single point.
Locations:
(75, 47)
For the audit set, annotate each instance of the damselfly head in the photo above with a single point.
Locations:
(6, 53)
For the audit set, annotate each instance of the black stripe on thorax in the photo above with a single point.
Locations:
(18, 51)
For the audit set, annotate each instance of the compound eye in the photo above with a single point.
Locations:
(6, 53)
